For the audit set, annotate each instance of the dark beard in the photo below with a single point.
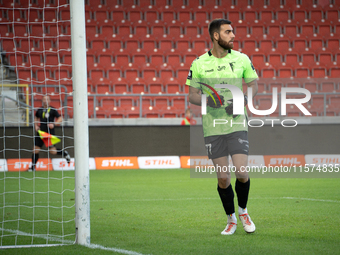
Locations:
(224, 44)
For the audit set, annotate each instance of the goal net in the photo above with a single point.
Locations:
(36, 208)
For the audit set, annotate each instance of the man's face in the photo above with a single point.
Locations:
(46, 101)
(226, 37)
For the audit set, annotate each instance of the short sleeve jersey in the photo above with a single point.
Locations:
(47, 115)
(230, 69)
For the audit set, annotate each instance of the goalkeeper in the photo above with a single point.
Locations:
(222, 65)
(45, 119)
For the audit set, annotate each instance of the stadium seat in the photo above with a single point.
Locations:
(233, 16)
(200, 17)
(114, 74)
(122, 60)
(102, 88)
(148, 46)
(268, 73)
(174, 32)
(155, 88)
(258, 60)
(182, 74)
(312, 87)
(191, 32)
(302, 72)
(132, 46)
(120, 88)
(274, 31)
(299, 16)
(300, 45)
(334, 72)
(328, 86)
(182, 46)
(307, 31)
(316, 45)
(291, 59)
(174, 60)
(216, 14)
(333, 45)
(166, 75)
(138, 88)
(292, 32)
(149, 74)
(266, 16)
(141, 31)
(326, 59)
(282, 45)
(151, 16)
(158, 32)
(165, 45)
(332, 14)
(185, 17)
(241, 32)
(114, 45)
(177, 4)
(173, 88)
(156, 60)
(131, 74)
(319, 72)
(283, 16)
(51, 59)
(105, 60)
(250, 16)
(308, 59)
(139, 60)
(118, 16)
(285, 72)
(275, 59)
(168, 17)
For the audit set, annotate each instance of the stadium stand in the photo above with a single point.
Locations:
(147, 46)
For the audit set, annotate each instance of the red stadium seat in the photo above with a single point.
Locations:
(131, 74)
(201, 17)
(308, 59)
(316, 45)
(274, 31)
(233, 16)
(268, 73)
(241, 32)
(102, 88)
(275, 59)
(138, 88)
(333, 45)
(250, 16)
(311, 86)
(319, 72)
(168, 17)
(151, 16)
(105, 60)
(285, 72)
(132, 46)
(120, 88)
(134, 16)
(283, 16)
(149, 74)
(173, 88)
(217, 14)
(148, 46)
(291, 59)
(307, 31)
(139, 60)
(334, 72)
(174, 60)
(165, 45)
(114, 74)
(258, 60)
(299, 15)
(326, 59)
(52, 59)
(156, 60)
(282, 45)
(328, 86)
(122, 60)
(182, 46)
(302, 72)
(300, 45)
(155, 88)
(158, 32)
(266, 17)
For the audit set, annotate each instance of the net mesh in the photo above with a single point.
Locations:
(36, 208)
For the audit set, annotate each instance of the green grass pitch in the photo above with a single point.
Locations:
(167, 212)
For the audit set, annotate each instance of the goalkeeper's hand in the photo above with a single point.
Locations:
(230, 108)
(211, 103)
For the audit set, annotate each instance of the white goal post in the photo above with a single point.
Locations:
(81, 138)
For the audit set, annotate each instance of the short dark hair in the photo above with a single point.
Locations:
(215, 26)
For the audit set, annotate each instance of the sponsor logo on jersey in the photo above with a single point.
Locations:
(220, 68)
(211, 70)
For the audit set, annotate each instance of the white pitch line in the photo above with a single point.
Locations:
(313, 199)
(91, 246)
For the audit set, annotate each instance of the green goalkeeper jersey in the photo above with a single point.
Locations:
(230, 69)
